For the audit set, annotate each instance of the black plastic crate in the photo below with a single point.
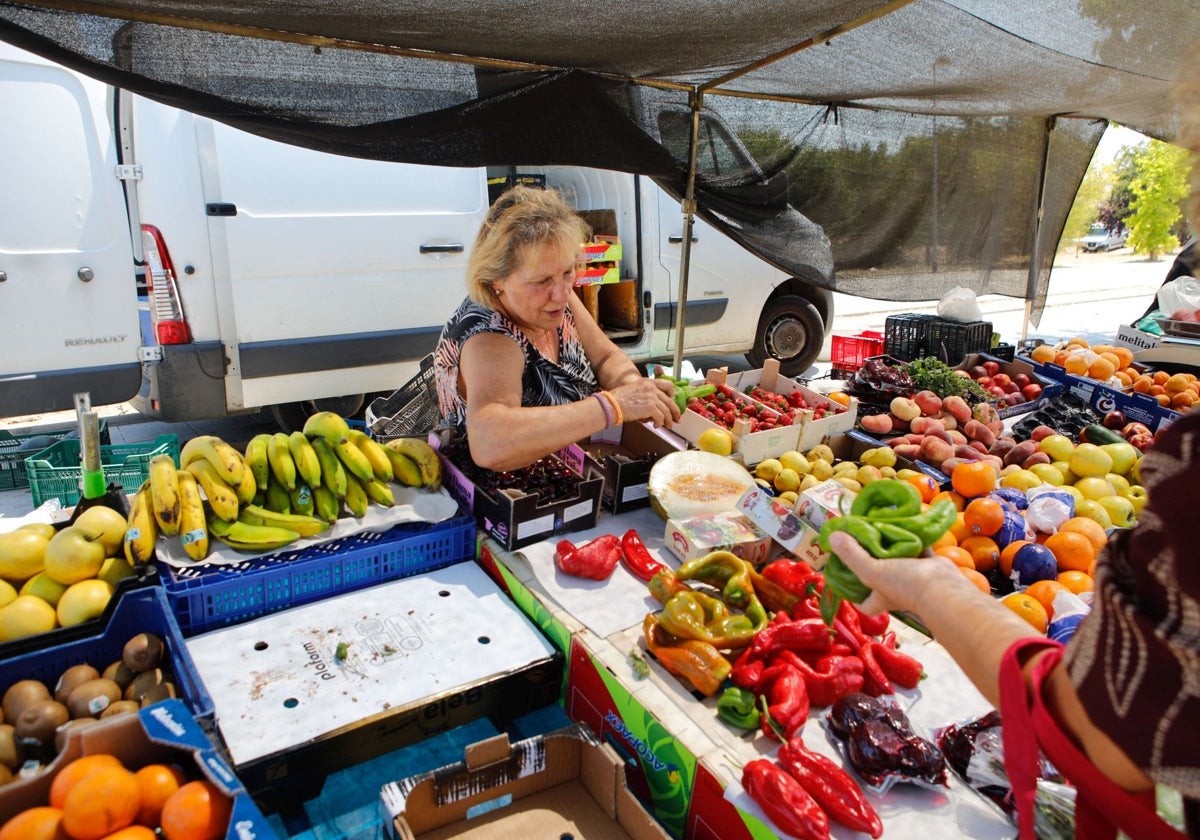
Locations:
(497, 186)
(911, 336)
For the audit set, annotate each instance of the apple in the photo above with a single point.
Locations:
(1021, 379)
(1135, 428)
(1124, 455)
(1136, 494)
(1032, 391)
(1059, 447)
(1141, 442)
(1120, 511)
(992, 368)
(1089, 459)
(1013, 398)
(1001, 379)
(978, 371)
(1093, 510)
(106, 525)
(1011, 387)
(995, 389)
(984, 382)
(1120, 484)
(74, 555)
(1115, 419)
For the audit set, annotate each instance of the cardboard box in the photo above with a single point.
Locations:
(777, 520)
(749, 447)
(561, 784)
(812, 430)
(1050, 387)
(163, 733)
(632, 450)
(728, 530)
(516, 519)
(594, 273)
(1135, 339)
(603, 248)
(1141, 408)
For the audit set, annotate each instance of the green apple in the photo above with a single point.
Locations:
(74, 554)
(1058, 447)
(45, 587)
(1094, 487)
(1136, 494)
(1093, 510)
(106, 524)
(1120, 511)
(1124, 456)
(1048, 473)
(1089, 459)
(1120, 484)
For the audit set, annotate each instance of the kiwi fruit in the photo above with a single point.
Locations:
(142, 683)
(22, 694)
(11, 751)
(121, 707)
(72, 677)
(162, 691)
(119, 673)
(90, 698)
(143, 652)
(39, 720)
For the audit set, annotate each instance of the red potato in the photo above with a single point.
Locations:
(911, 451)
(1035, 458)
(878, 424)
(929, 402)
(957, 407)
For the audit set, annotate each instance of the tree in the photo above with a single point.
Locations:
(1088, 202)
(1158, 188)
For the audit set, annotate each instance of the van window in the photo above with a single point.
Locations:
(264, 178)
(51, 166)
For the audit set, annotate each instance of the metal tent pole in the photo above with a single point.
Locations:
(696, 99)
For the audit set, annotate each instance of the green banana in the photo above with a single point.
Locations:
(244, 536)
(308, 466)
(278, 498)
(356, 497)
(301, 524)
(217, 527)
(302, 499)
(327, 505)
(333, 474)
(404, 469)
(256, 459)
(279, 455)
(379, 492)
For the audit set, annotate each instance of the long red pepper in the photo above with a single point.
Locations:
(637, 557)
(785, 697)
(831, 787)
(784, 800)
(902, 669)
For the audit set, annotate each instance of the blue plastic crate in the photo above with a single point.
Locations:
(143, 610)
(209, 597)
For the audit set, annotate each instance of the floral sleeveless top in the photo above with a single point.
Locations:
(542, 383)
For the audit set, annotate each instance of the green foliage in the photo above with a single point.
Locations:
(1158, 187)
(1092, 194)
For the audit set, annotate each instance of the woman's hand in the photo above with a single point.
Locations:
(648, 399)
(904, 583)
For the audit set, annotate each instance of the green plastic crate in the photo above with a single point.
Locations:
(15, 448)
(56, 472)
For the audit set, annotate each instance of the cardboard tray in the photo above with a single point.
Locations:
(812, 431)
(1050, 387)
(626, 480)
(564, 783)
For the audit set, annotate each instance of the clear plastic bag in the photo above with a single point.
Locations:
(1179, 300)
(960, 304)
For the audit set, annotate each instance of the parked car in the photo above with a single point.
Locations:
(1100, 238)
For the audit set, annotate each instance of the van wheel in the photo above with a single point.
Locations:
(790, 330)
(291, 416)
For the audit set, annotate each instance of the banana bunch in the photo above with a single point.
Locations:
(415, 462)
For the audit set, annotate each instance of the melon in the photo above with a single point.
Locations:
(691, 482)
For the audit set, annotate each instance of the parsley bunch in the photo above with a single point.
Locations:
(935, 375)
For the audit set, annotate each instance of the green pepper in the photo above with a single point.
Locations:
(738, 707)
(729, 573)
(881, 539)
(666, 583)
(684, 390)
(887, 499)
(699, 663)
(694, 615)
(930, 525)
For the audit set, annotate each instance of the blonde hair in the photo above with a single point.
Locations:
(521, 219)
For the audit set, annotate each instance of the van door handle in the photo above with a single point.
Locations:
(453, 248)
(678, 240)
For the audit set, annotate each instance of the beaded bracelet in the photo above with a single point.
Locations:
(608, 415)
(618, 417)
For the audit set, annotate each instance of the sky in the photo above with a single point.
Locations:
(1116, 136)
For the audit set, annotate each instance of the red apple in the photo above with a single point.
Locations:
(978, 371)
(1022, 379)
(1014, 398)
(1011, 387)
(985, 382)
(996, 389)
(1031, 392)
(1001, 379)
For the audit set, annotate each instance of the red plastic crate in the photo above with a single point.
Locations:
(848, 352)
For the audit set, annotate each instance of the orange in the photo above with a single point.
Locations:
(133, 832)
(984, 552)
(105, 800)
(76, 771)
(925, 485)
(945, 539)
(980, 581)
(974, 478)
(959, 529)
(1028, 608)
(156, 782)
(1072, 550)
(197, 811)
(38, 823)
(959, 555)
(1089, 527)
(1007, 555)
(840, 397)
(956, 498)
(983, 516)
(1091, 570)
(1042, 353)
(1043, 591)
(1077, 582)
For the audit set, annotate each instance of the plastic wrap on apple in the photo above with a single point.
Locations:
(1180, 299)
(1049, 507)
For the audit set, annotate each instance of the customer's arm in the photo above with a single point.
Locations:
(976, 630)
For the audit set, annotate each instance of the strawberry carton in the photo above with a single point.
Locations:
(816, 415)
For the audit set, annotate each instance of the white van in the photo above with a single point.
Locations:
(283, 278)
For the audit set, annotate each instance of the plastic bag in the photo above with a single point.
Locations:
(959, 304)
(1180, 299)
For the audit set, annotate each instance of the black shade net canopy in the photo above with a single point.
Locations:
(934, 143)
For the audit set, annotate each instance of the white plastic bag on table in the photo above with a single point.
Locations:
(1180, 299)
(959, 304)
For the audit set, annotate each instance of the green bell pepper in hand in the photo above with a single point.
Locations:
(685, 390)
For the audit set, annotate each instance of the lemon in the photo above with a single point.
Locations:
(26, 616)
(45, 587)
(768, 468)
(715, 440)
(83, 601)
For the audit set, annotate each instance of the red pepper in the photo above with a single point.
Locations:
(875, 681)
(637, 558)
(889, 640)
(873, 625)
(808, 607)
(793, 575)
(902, 669)
(747, 672)
(595, 560)
(785, 698)
(831, 787)
(784, 800)
(784, 634)
(846, 625)
(830, 679)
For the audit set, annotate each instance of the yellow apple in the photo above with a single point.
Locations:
(106, 524)
(22, 554)
(1089, 459)
(715, 440)
(1021, 480)
(1120, 484)
(1120, 511)
(1075, 494)
(1065, 468)
(1093, 510)
(1124, 456)
(1094, 487)
(1058, 447)
(1048, 473)
(1136, 494)
(45, 587)
(74, 555)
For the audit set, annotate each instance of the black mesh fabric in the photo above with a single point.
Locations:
(917, 141)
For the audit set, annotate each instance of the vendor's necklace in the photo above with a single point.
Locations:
(546, 343)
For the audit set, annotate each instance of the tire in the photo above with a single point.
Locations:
(291, 416)
(790, 330)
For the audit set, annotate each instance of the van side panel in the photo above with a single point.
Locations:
(68, 295)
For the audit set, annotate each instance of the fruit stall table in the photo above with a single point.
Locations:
(691, 762)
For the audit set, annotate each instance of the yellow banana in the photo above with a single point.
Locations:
(193, 531)
(248, 489)
(404, 469)
(381, 465)
(256, 459)
(329, 425)
(277, 498)
(356, 497)
(141, 533)
(379, 492)
(424, 455)
(164, 493)
(353, 459)
(302, 499)
(279, 455)
(308, 466)
(226, 460)
(305, 526)
(326, 503)
(243, 536)
(221, 497)
(333, 474)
